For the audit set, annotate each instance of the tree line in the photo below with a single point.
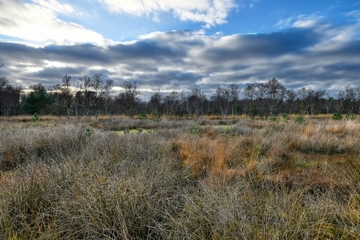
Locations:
(93, 96)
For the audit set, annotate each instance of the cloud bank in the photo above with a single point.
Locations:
(317, 55)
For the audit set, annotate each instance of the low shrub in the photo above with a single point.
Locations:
(156, 116)
(194, 129)
(285, 117)
(142, 114)
(299, 119)
(273, 118)
(35, 118)
(337, 116)
(350, 116)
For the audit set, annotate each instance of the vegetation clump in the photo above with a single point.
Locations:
(194, 129)
(89, 131)
(35, 118)
(337, 116)
(285, 117)
(142, 114)
(350, 116)
(156, 116)
(273, 118)
(300, 119)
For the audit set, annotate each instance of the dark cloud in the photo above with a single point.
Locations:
(83, 53)
(293, 41)
(141, 50)
(16, 51)
(144, 66)
(351, 49)
(349, 67)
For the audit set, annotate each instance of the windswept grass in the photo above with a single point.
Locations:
(248, 179)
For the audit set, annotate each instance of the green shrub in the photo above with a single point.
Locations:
(337, 116)
(285, 116)
(193, 129)
(299, 119)
(350, 116)
(272, 118)
(142, 114)
(89, 131)
(156, 116)
(35, 118)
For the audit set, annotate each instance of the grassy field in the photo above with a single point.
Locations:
(179, 179)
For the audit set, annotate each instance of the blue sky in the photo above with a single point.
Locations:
(182, 44)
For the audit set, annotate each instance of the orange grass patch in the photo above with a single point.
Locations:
(205, 156)
(220, 156)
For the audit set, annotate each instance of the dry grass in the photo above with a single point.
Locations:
(246, 179)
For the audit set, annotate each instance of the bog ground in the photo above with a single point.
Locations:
(179, 179)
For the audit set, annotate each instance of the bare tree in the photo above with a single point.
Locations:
(67, 96)
(222, 98)
(106, 94)
(171, 102)
(97, 85)
(275, 93)
(348, 99)
(302, 95)
(250, 93)
(196, 100)
(290, 101)
(9, 98)
(85, 98)
(154, 104)
(310, 100)
(261, 100)
(129, 98)
(234, 90)
(3, 82)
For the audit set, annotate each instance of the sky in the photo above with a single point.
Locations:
(180, 45)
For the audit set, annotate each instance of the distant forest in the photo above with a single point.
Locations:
(93, 97)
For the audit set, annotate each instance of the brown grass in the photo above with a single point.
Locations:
(246, 179)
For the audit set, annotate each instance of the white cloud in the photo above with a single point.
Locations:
(299, 21)
(38, 22)
(210, 12)
(284, 23)
(333, 36)
(55, 6)
(354, 14)
(305, 23)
